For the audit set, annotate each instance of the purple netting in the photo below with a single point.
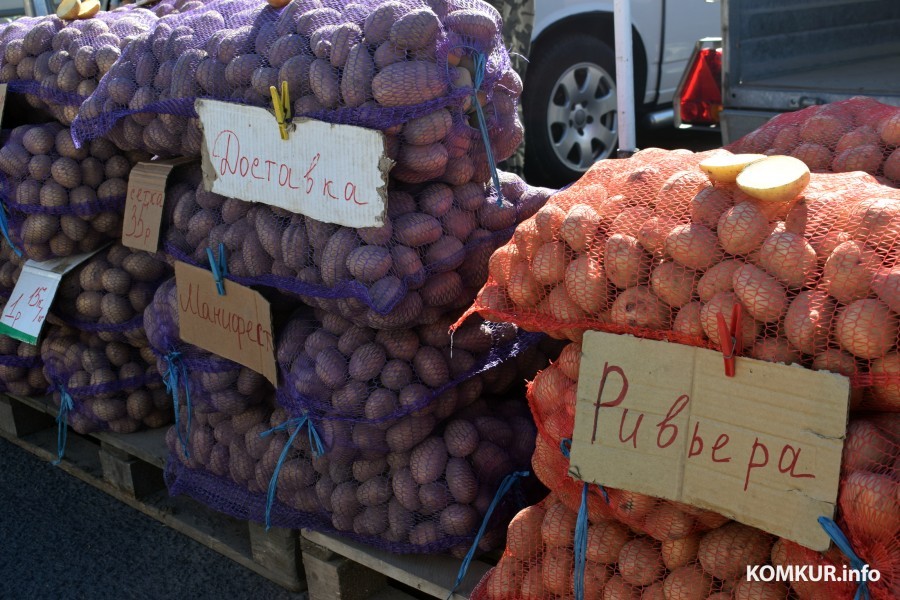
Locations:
(107, 294)
(365, 382)
(61, 200)
(58, 64)
(21, 368)
(376, 64)
(430, 257)
(213, 383)
(430, 499)
(111, 385)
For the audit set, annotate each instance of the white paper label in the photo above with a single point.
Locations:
(332, 173)
(26, 311)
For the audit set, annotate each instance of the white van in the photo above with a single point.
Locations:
(569, 101)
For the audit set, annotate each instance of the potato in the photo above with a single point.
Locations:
(886, 393)
(416, 29)
(723, 303)
(625, 262)
(866, 158)
(693, 246)
(777, 350)
(708, 205)
(849, 271)
(823, 129)
(807, 324)
(866, 328)
(579, 227)
(549, 263)
(891, 166)
(742, 228)
(788, 257)
(764, 298)
(586, 284)
(673, 283)
(639, 307)
(687, 321)
(816, 156)
(548, 221)
(776, 179)
(523, 289)
(392, 85)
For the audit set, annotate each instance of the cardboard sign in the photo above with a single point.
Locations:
(332, 173)
(236, 326)
(24, 314)
(763, 447)
(144, 203)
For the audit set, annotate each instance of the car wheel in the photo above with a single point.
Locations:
(569, 106)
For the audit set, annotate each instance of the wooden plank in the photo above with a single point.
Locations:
(18, 419)
(277, 548)
(148, 445)
(129, 474)
(333, 577)
(216, 531)
(433, 575)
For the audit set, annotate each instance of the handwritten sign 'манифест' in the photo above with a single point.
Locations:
(662, 419)
(332, 173)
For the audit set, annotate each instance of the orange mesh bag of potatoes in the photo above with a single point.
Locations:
(659, 245)
(554, 551)
(61, 200)
(859, 134)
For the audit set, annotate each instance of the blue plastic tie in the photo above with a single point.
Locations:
(565, 446)
(176, 369)
(480, 64)
(505, 485)
(219, 267)
(315, 443)
(840, 540)
(4, 229)
(581, 534)
(62, 422)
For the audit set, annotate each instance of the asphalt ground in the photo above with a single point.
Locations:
(62, 539)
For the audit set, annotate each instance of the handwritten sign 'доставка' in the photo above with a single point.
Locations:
(236, 325)
(332, 173)
(662, 419)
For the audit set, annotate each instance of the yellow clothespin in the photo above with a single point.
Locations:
(282, 105)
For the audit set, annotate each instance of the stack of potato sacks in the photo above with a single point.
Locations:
(60, 201)
(658, 246)
(417, 431)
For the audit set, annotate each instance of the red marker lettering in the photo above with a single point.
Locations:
(795, 453)
(721, 442)
(752, 464)
(665, 424)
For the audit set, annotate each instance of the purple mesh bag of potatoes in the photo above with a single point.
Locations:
(21, 368)
(112, 385)
(212, 383)
(62, 200)
(366, 381)
(57, 64)
(430, 257)
(10, 268)
(108, 293)
(414, 69)
(429, 499)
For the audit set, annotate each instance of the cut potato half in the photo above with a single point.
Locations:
(776, 179)
(68, 9)
(724, 168)
(88, 9)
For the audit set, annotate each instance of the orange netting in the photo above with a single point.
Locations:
(645, 548)
(859, 134)
(650, 247)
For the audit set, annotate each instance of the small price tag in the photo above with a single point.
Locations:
(26, 311)
(2, 101)
(144, 203)
(236, 326)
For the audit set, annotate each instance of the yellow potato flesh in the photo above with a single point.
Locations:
(776, 179)
(724, 168)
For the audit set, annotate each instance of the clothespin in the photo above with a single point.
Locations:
(282, 105)
(731, 338)
(219, 267)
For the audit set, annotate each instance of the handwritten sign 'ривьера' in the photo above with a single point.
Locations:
(332, 173)
(662, 419)
(236, 325)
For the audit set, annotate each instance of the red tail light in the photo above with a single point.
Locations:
(700, 98)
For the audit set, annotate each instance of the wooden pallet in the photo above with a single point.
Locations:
(130, 467)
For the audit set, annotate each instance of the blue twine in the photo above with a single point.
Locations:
(581, 534)
(176, 368)
(565, 446)
(480, 64)
(505, 485)
(315, 443)
(62, 422)
(4, 229)
(219, 267)
(858, 564)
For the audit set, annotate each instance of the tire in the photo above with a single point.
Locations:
(570, 121)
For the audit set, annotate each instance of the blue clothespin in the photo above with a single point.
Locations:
(219, 267)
